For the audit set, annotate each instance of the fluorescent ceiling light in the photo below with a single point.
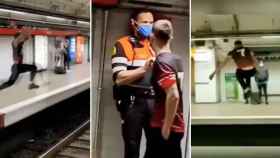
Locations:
(206, 39)
(55, 18)
(12, 11)
(266, 37)
(83, 22)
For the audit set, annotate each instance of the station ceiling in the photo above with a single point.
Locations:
(79, 9)
(236, 17)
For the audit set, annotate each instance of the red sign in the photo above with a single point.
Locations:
(11, 31)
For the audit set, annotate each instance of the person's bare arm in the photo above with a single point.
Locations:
(171, 107)
(18, 40)
(254, 59)
(128, 76)
(218, 69)
(25, 33)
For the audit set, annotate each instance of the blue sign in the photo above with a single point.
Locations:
(72, 49)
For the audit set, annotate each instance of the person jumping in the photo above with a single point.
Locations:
(245, 61)
(18, 66)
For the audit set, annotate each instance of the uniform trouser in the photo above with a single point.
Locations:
(135, 117)
(161, 148)
(263, 87)
(66, 61)
(244, 77)
(16, 70)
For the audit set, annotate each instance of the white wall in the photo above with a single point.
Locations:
(28, 49)
(51, 52)
(6, 55)
(204, 64)
(41, 52)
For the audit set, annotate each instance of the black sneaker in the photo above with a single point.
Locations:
(266, 102)
(247, 94)
(33, 86)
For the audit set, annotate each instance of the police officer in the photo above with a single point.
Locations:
(245, 61)
(131, 64)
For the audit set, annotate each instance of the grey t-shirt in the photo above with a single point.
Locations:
(261, 75)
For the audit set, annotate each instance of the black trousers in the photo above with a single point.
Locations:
(67, 61)
(244, 77)
(161, 148)
(16, 70)
(263, 88)
(135, 117)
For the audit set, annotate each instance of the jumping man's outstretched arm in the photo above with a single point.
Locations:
(254, 59)
(25, 34)
(218, 69)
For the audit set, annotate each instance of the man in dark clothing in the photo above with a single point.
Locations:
(245, 61)
(261, 78)
(18, 66)
(66, 55)
(167, 121)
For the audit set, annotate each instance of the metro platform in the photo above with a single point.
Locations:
(18, 102)
(236, 130)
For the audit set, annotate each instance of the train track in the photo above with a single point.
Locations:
(74, 145)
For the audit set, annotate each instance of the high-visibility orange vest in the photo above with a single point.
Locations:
(142, 53)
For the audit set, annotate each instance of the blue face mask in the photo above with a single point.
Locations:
(145, 30)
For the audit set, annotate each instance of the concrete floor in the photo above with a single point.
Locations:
(48, 81)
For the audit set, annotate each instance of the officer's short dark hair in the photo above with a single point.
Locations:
(136, 13)
(237, 42)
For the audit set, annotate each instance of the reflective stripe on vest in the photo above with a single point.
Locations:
(142, 53)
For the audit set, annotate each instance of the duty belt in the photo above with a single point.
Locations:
(142, 91)
(134, 90)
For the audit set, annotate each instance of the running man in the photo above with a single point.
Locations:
(245, 61)
(18, 67)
